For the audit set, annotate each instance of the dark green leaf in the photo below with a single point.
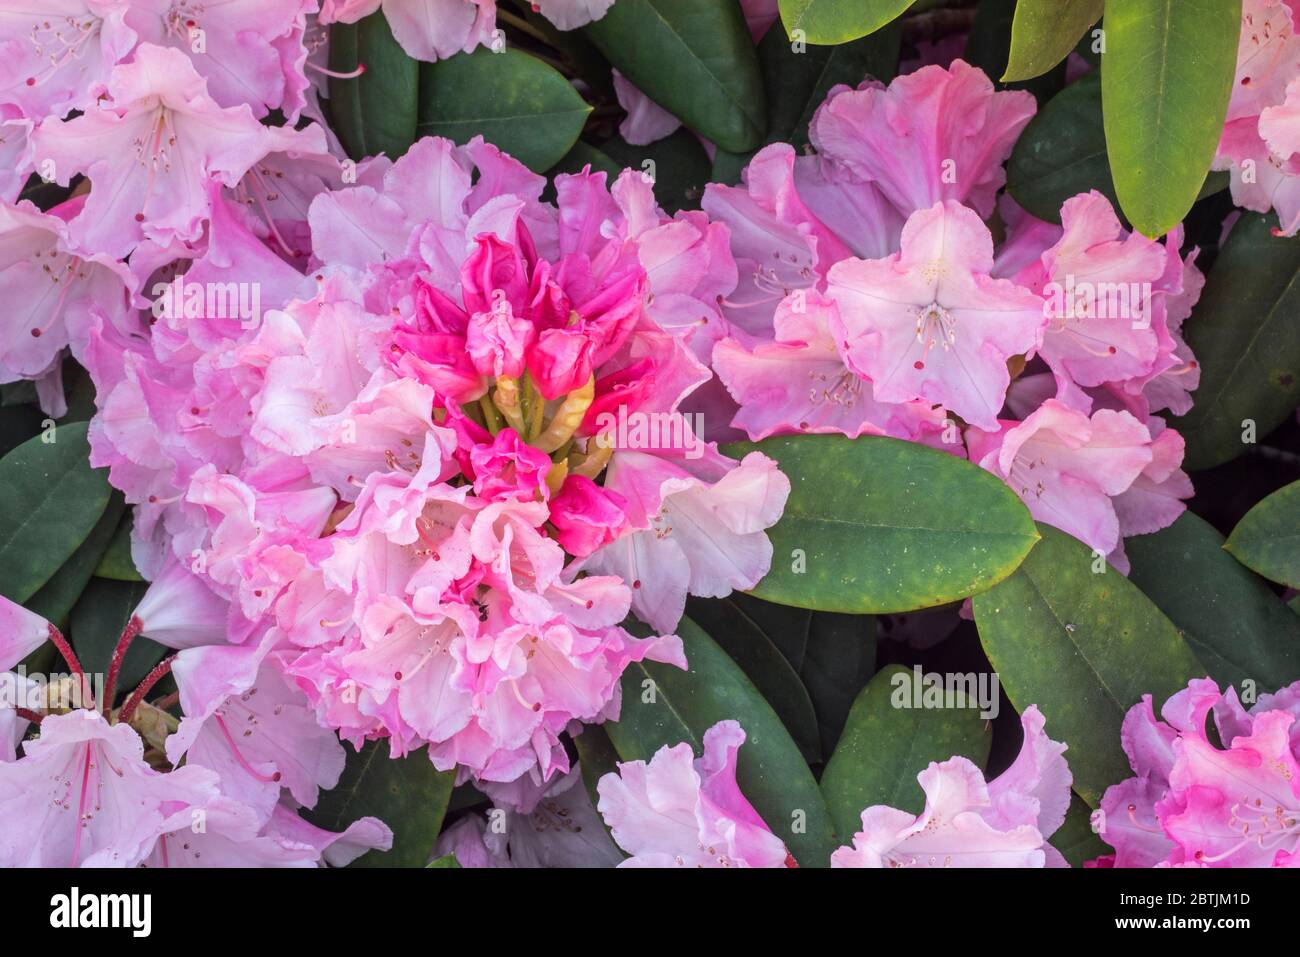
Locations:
(513, 100)
(1084, 647)
(375, 112)
(1044, 32)
(664, 706)
(839, 21)
(886, 743)
(1166, 77)
(57, 596)
(596, 757)
(116, 562)
(1232, 620)
(876, 525)
(1244, 335)
(741, 629)
(408, 794)
(1267, 538)
(52, 501)
(694, 58)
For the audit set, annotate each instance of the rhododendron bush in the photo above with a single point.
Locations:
(650, 433)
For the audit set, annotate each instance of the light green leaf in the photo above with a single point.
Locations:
(1166, 77)
(1084, 647)
(886, 743)
(1044, 32)
(116, 562)
(878, 525)
(839, 21)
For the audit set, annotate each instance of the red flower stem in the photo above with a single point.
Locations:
(132, 629)
(71, 658)
(151, 679)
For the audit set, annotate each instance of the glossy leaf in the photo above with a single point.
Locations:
(839, 21)
(663, 706)
(375, 112)
(1245, 337)
(740, 627)
(1267, 538)
(1233, 621)
(878, 525)
(1166, 77)
(886, 743)
(694, 58)
(408, 794)
(116, 562)
(53, 500)
(1084, 647)
(513, 100)
(1044, 32)
(57, 596)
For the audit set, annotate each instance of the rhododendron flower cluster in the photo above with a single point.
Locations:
(107, 787)
(1261, 135)
(455, 467)
(393, 475)
(874, 301)
(1198, 803)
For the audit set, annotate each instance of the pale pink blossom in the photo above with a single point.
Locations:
(681, 811)
(968, 822)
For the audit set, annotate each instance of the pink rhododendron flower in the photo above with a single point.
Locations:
(930, 322)
(148, 151)
(426, 29)
(1067, 466)
(681, 811)
(240, 47)
(933, 135)
(104, 786)
(1194, 803)
(1257, 145)
(47, 288)
(56, 52)
(83, 786)
(968, 822)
